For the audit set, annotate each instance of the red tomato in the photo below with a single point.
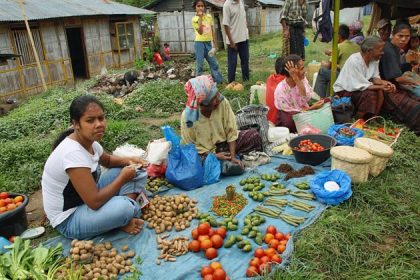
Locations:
(2, 203)
(204, 229)
(219, 274)
(265, 259)
(252, 271)
(208, 277)
(276, 259)
(217, 241)
(18, 198)
(194, 234)
(271, 229)
(279, 236)
(259, 253)
(206, 270)
(255, 262)
(4, 195)
(194, 246)
(221, 231)
(211, 253)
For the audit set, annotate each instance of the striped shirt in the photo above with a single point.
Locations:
(293, 12)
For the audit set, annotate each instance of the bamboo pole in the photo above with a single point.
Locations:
(41, 74)
(335, 44)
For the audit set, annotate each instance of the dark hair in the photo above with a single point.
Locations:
(279, 64)
(77, 109)
(344, 31)
(293, 58)
(400, 26)
(166, 44)
(196, 2)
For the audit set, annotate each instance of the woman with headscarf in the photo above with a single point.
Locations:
(356, 34)
(209, 123)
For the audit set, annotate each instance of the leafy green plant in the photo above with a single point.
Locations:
(159, 96)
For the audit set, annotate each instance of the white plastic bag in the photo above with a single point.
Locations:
(276, 134)
(157, 151)
(128, 150)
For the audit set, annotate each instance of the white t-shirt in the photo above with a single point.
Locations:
(234, 16)
(59, 196)
(355, 74)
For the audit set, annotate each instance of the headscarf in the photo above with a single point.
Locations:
(199, 90)
(356, 25)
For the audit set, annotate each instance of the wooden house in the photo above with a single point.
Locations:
(73, 39)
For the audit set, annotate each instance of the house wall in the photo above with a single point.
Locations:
(175, 28)
(17, 79)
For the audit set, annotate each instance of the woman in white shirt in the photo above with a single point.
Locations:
(79, 201)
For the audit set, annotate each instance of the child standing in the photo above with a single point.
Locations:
(293, 93)
(166, 52)
(202, 24)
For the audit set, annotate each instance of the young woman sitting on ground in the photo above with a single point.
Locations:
(79, 201)
(293, 93)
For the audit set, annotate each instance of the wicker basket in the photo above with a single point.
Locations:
(353, 161)
(380, 152)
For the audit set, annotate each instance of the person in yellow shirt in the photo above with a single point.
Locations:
(204, 45)
(209, 123)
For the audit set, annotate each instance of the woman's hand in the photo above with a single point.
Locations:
(293, 70)
(137, 161)
(317, 105)
(237, 161)
(128, 173)
(223, 156)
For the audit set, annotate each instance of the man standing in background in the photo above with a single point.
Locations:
(234, 22)
(292, 19)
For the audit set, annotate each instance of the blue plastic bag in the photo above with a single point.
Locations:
(171, 136)
(337, 101)
(334, 197)
(212, 169)
(184, 169)
(342, 140)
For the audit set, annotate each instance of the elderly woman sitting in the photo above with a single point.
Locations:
(210, 124)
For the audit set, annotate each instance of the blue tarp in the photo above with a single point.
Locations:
(234, 261)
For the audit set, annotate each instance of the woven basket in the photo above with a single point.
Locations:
(353, 161)
(380, 152)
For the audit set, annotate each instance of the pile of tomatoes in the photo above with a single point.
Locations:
(347, 132)
(260, 264)
(8, 203)
(214, 271)
(309, 146)
(207, 239)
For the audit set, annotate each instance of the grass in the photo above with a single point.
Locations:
(373, 235)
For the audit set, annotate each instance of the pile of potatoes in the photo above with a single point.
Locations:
(100, 261)
(167, 212)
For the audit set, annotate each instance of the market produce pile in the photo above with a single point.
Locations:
(186, 235)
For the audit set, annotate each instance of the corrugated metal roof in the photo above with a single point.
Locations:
(272, 2)
(217, 3)
(44, 9)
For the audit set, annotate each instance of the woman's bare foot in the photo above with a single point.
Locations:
(134, 226)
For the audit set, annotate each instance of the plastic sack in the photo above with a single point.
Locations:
(342, 140)
(128, 150)
(154, 170)
(157, 151)
(184, 169)
(321, 119)
(171, 136)
(309, 129)
(212, 169)
(334, 197)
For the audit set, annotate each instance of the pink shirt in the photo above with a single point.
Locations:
(289, 100)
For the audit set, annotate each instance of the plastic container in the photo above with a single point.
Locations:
(313, 158)
(354, 161)
(278, 133)
(14, 222)
(260, 90)
(380, 152)
(312, 68)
